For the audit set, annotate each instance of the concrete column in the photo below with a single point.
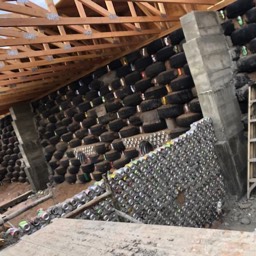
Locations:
(207, 52)
(30, 147)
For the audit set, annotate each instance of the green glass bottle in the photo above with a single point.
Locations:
(222, 14)
(176, 48)
(240, 21)
(244, 51)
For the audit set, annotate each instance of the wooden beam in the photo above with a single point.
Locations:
(69, 67)
(30, 88)
(54, 61)
(86, 29)
(111, 9)
(32, 53)
(4, 100)
(162, 9)
(51, 39)
(82, 14)
(8, 32)
(152, 9)
(35, 6)
(33, 85)
(202, 2)
(220, 5)
(188, 7)
(148, 13)
(30, 85)
(28, 22)
(102, 11)
(134, 14)
(14, 8)
(19, 80)
(53, 10)
(39, 33)
(8, 98)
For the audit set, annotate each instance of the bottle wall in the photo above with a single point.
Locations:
(177, 184)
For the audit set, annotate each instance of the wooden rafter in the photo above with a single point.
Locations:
(27, 22)
(42, 49)
(203, 2)
(49, 39)
(61, 51)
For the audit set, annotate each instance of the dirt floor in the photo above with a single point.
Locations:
(9, 191)
(60, 193)
(239, 215)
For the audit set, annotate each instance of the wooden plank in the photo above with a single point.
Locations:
(41, 71)
(111, 9)
(133, 13)
(30, 87)
(12, 96)
(54, 61)
(148, 13)
(35, 6)
(28, 22)
(73, 27)
(41, 34)
(35, 78)
(221, 5)
(188, 7)
(20, 82)
(32, 53)
(53, 9)
(21, 10)
(82, 14)
(20, 92)
(22, 96)
(97, 238)
(107, 13)
(163, 11)
(152, 9)
(17, 200)
(51, 39)
(11, 32)
(112, 27)
(203, 2)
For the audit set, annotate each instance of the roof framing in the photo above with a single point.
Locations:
(38, 46)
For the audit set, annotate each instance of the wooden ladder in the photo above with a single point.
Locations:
(251, 166)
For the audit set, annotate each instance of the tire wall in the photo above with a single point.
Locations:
(239, 24)
(12, 167)
(144, 93)
(163, 187)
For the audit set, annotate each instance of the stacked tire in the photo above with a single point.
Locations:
(12, 168)
(239, 23)
(141, 93)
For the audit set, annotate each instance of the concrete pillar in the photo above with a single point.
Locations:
(207, 52)
(30, 147)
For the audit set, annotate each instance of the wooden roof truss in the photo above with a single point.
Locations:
(43, 49)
